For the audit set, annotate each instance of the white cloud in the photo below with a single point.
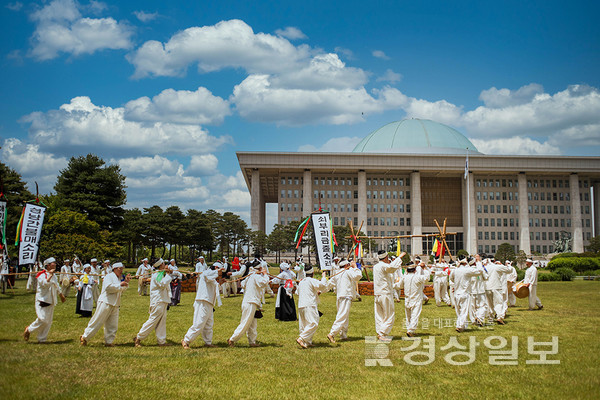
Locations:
(291, 33)
(323, 71)
(81, 125)
(515, 146)
(60, 28)
(334, 145)
(380, 54)
(144, 16)
(32, 164)
(237, 198)
(500, 98)
(347, 53)
(180, 107)
(390, 76)
(257, 100)
(577, 136)
(228, 44)
(202, 165)
(16, 6)
(147, 166)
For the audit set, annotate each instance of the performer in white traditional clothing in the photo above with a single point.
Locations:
(451, 267)
(45, 300)
(495, 288)
(398, 275)
(383, 289)
(32, 280)
(85, 298)
(254, 286)
(440, 284)
(344, 281)
(511, 279)
(531, 280)
(77, 265)
(160, 297)
(308, 291)
(463, 280)
(176, 277)
(107, 311)
(200, 265)
(206, 295)
(143, 273)
(413, 285)
(95, 271)
(479, 309)
(66, 278)
(285, 308)
(299, 268)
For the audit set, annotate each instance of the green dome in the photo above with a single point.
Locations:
(416, 136)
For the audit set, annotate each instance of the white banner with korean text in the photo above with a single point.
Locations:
(322, 230)
(31, 230)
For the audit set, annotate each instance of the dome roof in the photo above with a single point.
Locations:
(420, 136)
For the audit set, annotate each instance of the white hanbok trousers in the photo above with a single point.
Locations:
(107, 316)
(440, 291)
(452, 299)
(203, 323)
(512, 299)
(156, 321)
(495, 299)
(342, 318)
(478, 307)
(95, 292)
(385, 314)
(462, 306)
(247, 324)
(43, 322)
(413, 313)
(142, 286)
(308, 322)
(533, 299)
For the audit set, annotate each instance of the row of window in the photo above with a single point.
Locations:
(497, 196)
(556, 183)
(496, 183)
(334, 181)
(334, 194)
(554, 196)
(389, 194)
(499, 235)
(395, 221)
(388, 181)
(498, 209)
(395, 208)
(497, 222)
(296, 180)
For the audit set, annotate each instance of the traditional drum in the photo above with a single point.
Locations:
(521, 290)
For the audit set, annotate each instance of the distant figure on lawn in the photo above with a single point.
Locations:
(531, 280)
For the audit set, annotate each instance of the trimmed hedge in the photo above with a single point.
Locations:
(566, 274)
(521, 274)
(587, 254)
(577, 264)
(549, 277)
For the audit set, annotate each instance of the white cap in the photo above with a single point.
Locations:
(106, 261)
(118, 265)
(529, 260)
(536, 263)
(67, 260)
(217, 264)
(158, 263)
(49, 261)
(93, 260)
(144, 259)
(344, 263)
(172, 260)
(309, 270)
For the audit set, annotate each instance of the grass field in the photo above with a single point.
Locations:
(280, 369)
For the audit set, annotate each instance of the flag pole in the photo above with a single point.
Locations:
(468, 235)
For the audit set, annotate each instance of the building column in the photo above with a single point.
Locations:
(415, 213)
(257, 203)
(596, 207)
(307, 195)
(469, 215)
(576, 214)
(362, 200)
(524, 242)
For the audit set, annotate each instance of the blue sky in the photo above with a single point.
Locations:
(171, 90)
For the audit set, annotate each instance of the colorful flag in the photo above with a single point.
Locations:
(434, 249)
(398, 247)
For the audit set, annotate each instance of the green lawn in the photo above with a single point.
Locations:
(280, 369)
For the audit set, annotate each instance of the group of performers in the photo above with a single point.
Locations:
(478, 288)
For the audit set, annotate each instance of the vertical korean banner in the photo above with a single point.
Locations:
(322, 230)
(3, 216)
(31, 230)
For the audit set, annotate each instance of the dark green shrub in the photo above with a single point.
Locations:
(587, 254)
(577, 264)
(549, 277)
(566, 274)
(520, 274)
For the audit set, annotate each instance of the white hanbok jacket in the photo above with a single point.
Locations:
(160, 292)
(111, 290)
(47, 289)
